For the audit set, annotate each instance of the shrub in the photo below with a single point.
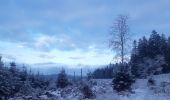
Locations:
(26, 89)
(122, 82)
(151, 81)
(87, 92)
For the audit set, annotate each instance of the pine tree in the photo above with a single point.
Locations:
(134, 60)
(26, 88)
(5, 88)
(142, 48)
(166, 68)
(24, 74)
(163, 45)
(154, 44)
(62, 80)
(1, 63)
(13, 68)
(168, 57)
(89, 75)
(15, 83)
(122, 82)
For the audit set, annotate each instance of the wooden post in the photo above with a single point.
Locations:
(81, 75)
(74, 77)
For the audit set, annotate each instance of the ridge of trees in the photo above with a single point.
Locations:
(149, 56)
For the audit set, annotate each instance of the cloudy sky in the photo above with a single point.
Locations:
(73, 31)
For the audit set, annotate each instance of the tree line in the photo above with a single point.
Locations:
(21, 82)
(15, 81)
(148, 56)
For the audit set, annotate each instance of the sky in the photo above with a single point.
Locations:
(73, 31)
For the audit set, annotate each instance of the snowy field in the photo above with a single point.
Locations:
(103, 91)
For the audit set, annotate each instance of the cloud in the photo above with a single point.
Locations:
(46, 56)
(8, 57)
(76, 58)
(46, 42)
(68, 26)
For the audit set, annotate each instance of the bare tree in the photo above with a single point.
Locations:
(119, 36)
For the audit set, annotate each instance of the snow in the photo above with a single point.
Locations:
(104, 91)
(140, 88)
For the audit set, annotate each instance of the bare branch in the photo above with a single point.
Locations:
(119, 36)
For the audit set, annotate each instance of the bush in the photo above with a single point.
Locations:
(87, 92)
(62, 80)
(151, 81)
(26, 89)
(122, 82)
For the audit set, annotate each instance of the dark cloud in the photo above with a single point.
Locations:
(82, 22)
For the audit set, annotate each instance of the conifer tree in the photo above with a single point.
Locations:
(62, 80)
(154, 44)
(122, 82)
(143, 48)
(168, 52)
(134, 60)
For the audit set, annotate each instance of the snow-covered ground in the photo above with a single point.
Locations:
(103, 91)
(142, 91)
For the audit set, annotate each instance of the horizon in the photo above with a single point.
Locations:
(73, 32)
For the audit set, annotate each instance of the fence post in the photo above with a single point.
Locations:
(81, 75)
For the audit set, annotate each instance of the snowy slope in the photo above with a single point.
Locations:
(103, 91)
(141, 90)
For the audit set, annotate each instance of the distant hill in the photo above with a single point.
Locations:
(54, 68)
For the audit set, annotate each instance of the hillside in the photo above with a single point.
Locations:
(103, 91)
